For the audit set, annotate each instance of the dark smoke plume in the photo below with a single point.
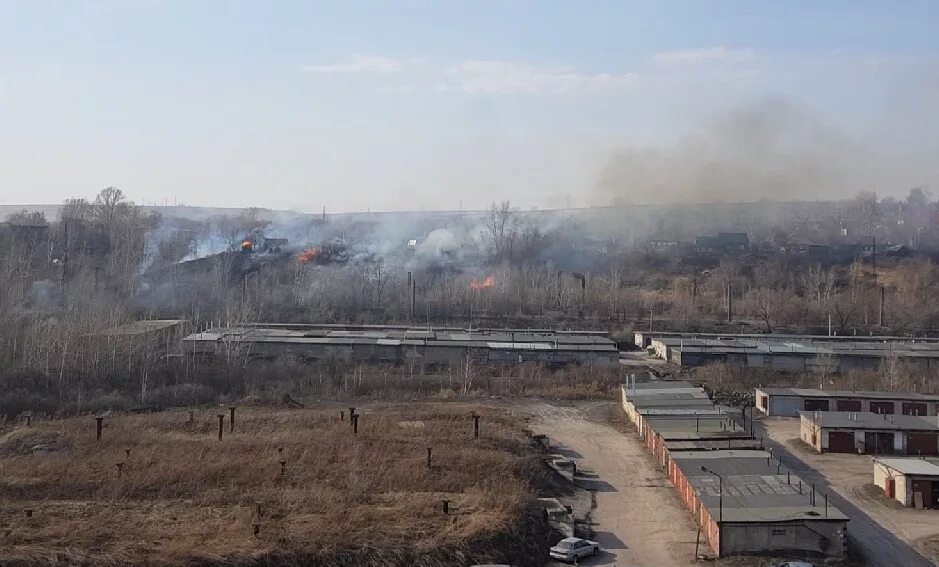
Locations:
(772, 150)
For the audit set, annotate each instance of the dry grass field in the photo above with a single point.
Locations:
(161, 490)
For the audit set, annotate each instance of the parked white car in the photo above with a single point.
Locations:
(794, 564)
(574, 549)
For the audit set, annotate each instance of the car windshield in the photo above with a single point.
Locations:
(566, 545)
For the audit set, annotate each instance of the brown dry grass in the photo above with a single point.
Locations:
(185, 497)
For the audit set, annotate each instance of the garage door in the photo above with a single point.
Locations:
(878, 443)
(848, 405)
(816, 405)
(914, 408)
(922, 444)
(841, 442)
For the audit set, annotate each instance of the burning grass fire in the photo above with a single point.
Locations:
(486, 283)
(308, 255)
(284, 487)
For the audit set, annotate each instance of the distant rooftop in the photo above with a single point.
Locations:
(815, 393)
(868, 420)
(688, 428)
(141, 327)
(498, 339)
(911, 466)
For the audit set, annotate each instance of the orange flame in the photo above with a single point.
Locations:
(486, 283)
(247, 245)
(307, 255)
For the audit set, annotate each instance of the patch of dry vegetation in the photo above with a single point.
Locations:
(182, 496)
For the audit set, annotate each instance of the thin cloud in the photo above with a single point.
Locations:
(359, 64)
(504, 77)
(716, 54)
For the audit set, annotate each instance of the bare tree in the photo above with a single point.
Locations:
(502, 227)
(867, 211)
(819, 282)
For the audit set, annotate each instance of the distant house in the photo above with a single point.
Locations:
(660, 245)
(723, 243)
(865, 247)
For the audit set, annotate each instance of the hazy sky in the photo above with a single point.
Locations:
(409, 105)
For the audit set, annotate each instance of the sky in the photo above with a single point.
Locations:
(410, 105)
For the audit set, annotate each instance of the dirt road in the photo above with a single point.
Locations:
(639, 520)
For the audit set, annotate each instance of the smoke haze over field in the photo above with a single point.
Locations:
(448, 106)
(770, 150)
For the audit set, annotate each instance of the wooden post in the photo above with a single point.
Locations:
(221, 424)
(29, 512)
(446, 507)
(342, 415)
(192, 416)
(476, 426)
(355, 424)
(231, 424)
(127, 453)
(120, 468)
(697, 542)
(283, 468)
(29, 419)
(98, 426)
(428, 457)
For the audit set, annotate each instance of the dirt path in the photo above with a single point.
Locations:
(638, 519)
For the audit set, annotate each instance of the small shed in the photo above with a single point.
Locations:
(911, 482)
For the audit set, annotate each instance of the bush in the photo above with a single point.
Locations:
(181, 395)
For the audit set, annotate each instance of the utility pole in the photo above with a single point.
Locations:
(730, 305)
(883, 301)
(410, 297)
(720, 508)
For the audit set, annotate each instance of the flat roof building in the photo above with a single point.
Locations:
(870, 433)
(397, 345)
(790, 353)
(758, 506)
(746, 504)
(788, 402)
(913, 482)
